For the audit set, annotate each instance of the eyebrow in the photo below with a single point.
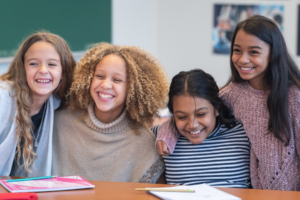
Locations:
(203, 108)
(251, 47)
(37, 59)
(114, 73)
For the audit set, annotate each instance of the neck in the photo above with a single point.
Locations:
(37, 104)
(258, 85)
(106, 118)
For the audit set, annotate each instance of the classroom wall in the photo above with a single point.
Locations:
(183, 32)
(178, 32)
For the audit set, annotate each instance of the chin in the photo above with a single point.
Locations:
(196, 141)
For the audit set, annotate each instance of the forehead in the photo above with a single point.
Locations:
(244, 39)
(189, 104)
(41, 50)
(112, 63)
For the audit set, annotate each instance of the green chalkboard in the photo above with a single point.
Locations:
(79, 22)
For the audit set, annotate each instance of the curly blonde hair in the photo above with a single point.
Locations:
(147, 82)
(17, 75)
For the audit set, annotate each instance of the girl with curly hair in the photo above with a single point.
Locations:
(103, 135)
(35, 85)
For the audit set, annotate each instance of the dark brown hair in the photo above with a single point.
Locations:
(281, 73)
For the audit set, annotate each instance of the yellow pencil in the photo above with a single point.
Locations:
(164, 190)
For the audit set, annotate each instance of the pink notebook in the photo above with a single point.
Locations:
(46, 185)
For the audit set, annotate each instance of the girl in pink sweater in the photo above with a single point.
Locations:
(263, 93)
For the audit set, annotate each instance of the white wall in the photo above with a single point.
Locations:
(183, 32)
(135, 23)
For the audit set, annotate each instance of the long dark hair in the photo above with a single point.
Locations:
(197, 83)
(280, 74)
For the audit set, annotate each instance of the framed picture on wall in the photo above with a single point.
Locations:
(227, 16)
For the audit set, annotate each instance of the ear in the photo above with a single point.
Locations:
(217, 112)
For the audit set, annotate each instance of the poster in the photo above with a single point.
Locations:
(227, 16)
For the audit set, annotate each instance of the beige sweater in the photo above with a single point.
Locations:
(106, 152)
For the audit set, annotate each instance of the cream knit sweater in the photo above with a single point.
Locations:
(105, 152)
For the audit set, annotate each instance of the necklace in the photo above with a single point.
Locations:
(39, 129)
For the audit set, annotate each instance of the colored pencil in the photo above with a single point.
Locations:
(29, 179)
(164, 190)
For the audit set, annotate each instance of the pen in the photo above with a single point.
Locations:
(164, 190)
(29, 179)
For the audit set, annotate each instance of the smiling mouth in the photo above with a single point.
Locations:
(196, 132)
(43, 81)
(105, 96)
(246, 68)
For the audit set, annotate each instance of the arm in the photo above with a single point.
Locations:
(295, 110)
(168, 136)
(8, 138)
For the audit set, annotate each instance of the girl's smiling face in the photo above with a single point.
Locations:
(43, 69)
(109, 88)
(195, 117)
(250, 57)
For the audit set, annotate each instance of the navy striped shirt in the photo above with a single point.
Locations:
(221, 160)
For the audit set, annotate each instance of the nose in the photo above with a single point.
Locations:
(192, 124)
(43, 69)
(244, 58)
(106, 84)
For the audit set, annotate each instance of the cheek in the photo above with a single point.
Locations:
(179, 124)
(92, 87)
(123, 91)
(234, 59)
(211, 121)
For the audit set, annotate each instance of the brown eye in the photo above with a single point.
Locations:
(236, 50)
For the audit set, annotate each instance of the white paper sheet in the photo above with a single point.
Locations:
(202, 191)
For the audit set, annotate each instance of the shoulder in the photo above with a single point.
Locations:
(63, 116)
(7, 98)
(6, 88)
(150, 132)
(230, 93)
(236, 130)
(55, 100)
(233, 87)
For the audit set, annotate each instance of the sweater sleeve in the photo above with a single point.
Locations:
(168, 134)
(7, 107)
(294, 99)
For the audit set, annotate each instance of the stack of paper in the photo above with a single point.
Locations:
(202, 191)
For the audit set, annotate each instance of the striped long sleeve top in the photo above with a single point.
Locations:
(222, 159)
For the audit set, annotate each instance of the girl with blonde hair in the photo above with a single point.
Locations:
(103, 135)
(35, 85)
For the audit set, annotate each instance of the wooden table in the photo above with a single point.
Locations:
(116, 190)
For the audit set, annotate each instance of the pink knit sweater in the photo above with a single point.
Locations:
(273, 165)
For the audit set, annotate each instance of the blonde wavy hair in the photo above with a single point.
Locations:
(16, 74)
(147, 82)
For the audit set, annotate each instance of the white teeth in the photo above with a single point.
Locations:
(246, 68)
(196, 132)
(104, 96)
(43, 81)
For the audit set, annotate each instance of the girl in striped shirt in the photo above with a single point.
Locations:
(212, 147)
